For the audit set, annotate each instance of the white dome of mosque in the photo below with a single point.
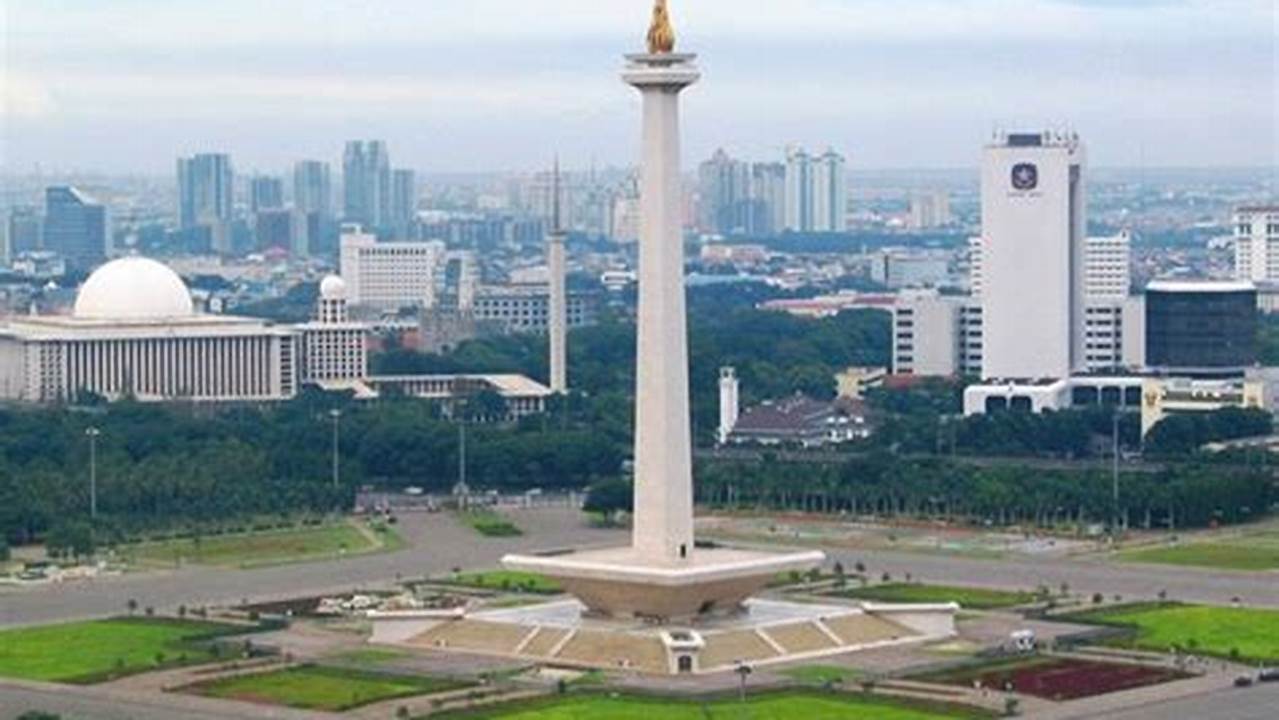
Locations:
(133, 288)
(333, 288)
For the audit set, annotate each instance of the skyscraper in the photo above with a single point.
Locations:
(403, 203)
(206, 197)
(724, 186)
(1257, 243)
(366, 178)
(75, 227)
(1033, 256)
(768, 199)
(313, 188)
(22, 231)
(830, 193)
(816, 192)
(265, 193)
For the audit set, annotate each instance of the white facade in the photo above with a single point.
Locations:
(729, 403)
(135, 334)
(1108, 268)
(926, 334)
(1106, 279)
(391, 275)
(663, 522)
(1257, 243)
(816, 192)
(334, 349)
(930, 210)
(1033, 222)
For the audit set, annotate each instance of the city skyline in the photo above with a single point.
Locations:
(891, 85)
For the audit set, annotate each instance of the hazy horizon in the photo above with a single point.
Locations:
(493, 86)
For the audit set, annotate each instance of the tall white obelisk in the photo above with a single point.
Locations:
(663, 520)
(557, 322)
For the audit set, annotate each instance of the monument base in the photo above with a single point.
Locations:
(621, 583)
(764, 632)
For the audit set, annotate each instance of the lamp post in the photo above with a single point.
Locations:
(93, 433)
(1114, 480)
(336, 415)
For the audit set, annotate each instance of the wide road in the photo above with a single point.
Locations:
(1256, 703)
(438, 543)
(1084, 576)
(434, 544)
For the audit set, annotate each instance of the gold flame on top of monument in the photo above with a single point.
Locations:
(661, 35)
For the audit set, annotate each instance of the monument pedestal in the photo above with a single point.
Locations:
(622, 583)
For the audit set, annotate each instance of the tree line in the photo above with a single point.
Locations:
(887, 485)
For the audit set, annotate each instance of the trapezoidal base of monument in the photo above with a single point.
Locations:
(621, 583)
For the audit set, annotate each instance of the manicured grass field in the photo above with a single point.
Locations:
(776, 706)
(264, 548)
(490, 524)
(1254, 553)
(969, 598)
(508, 580)
(100, 650)
(320, 688)
(1251, 635)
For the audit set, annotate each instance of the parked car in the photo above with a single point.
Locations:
(1269, 675)
(1243, 681)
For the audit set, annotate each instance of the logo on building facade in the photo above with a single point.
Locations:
(1025, 177)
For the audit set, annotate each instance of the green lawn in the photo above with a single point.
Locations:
(97, 651)
(264, 548)
(969, 598)
(1203, 630)
(508, 580)
(319, 688)
(1254, 553)
(490, 524)
(775, 706)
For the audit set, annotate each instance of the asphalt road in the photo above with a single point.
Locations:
(1086, 576)
(1256, 703)
(435, 544)
(438, 543)
(92, 703)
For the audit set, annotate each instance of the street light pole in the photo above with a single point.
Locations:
(93, 433)
(337, 421)
(1114, 479)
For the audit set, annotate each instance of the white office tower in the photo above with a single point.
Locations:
(557, 305)
(1257, 243)
(388, 276)
(1033, 227)
(729, 403)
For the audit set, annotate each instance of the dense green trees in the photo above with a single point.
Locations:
(171, 465)
(888, 485)
(1183, 434)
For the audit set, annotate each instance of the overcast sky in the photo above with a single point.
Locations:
(479, 85)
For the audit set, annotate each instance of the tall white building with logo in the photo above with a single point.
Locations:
(1034, 211)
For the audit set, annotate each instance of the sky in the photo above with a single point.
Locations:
(502, 85)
